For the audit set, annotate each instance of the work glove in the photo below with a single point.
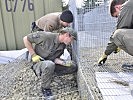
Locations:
(36, 58)
(102, 59)
(67, 63)
(117, 50)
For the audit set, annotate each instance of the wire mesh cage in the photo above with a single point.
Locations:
(95, 26)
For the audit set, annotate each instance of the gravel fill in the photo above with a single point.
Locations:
(18, 82)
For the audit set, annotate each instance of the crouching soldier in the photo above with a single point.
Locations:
(46, 55)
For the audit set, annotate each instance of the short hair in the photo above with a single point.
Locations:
(113, 3)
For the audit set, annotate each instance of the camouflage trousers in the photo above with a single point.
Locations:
(45, 70)
(123, 38)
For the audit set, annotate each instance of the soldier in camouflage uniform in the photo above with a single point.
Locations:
(46, 54)
(122, 37)
(53, 21)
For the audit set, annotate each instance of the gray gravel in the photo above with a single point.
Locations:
(18, 82)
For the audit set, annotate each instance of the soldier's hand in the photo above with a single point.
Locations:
(36, 58)
(102, 60)
(67, 63)
(117, 50)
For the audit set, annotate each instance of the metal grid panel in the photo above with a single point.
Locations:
(88, 65)
(95, 26)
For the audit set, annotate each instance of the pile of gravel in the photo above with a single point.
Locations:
(18, 82)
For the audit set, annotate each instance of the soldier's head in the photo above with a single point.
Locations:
(67, 35)
(115, 7)
(66, 18)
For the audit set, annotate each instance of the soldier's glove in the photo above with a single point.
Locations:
(67, 63)
(117, 50)
(36, 58)
(102, 59)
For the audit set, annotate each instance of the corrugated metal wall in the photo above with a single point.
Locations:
(16, 17)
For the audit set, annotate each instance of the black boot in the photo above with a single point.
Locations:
(47, 93)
